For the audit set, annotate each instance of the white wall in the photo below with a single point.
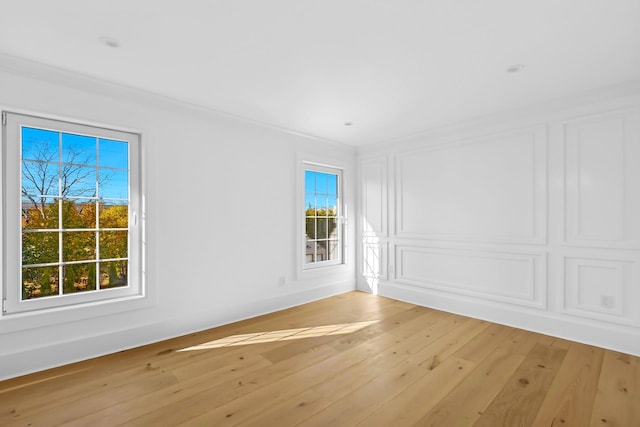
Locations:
(220, 220)
(530, 218)
(526, 218)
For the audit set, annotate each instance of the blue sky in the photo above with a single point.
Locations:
(320, 189)
(110, 157)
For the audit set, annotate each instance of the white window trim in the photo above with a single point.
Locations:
(319, 163)
(17, 314)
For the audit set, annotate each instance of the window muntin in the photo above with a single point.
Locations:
(78, 189)
(322, 216)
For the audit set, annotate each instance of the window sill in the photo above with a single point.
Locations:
(14, 322)
(323, 271)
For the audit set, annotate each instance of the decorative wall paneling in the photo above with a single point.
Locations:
(488, 189)
(536, 226)
(604, 289)
(602, 181)
(516, 278)
(374, 222)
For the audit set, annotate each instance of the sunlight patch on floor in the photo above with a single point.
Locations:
(283, 335)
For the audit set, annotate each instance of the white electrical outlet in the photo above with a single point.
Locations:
(606, 301)
(282, 281)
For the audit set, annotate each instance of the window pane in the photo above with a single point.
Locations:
(332, 249)
(309, 202)
(40, 248)
(321, 183)
(309, 251)
(39, 144)
(332, 184)
(78, 245)
(114, 184)
(39, 213)
(310, 254)
(79, 277)
(322, 228)
(332, 204)
(78, 181)
(78, 214)
(114, 215)
(310, 228)
(113, 274)
(40, 179)
(114, 244)
(332, 228)
(39, 282)
(70, 218)
(113, 154)
(321, 205)
(78, 149)
(311, 209)
(309, 182)
(321, 251)
(321, 210)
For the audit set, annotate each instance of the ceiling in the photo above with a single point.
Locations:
(389, 67)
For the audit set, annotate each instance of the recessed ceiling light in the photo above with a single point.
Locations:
(515, 68)
(348, 123)
(109, 41)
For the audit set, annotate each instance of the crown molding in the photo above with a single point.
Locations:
(623, 95)
(23, 67)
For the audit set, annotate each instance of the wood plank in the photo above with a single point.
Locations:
(573, 389)
(410, 405)
(617, 401)
(400, 370)
(173, 405)
(485, 343)
(262, 402)
(386, 358)
(100, 367)
(240, 383)
(283, 389)
(481, 386)
(518, 402)
(141, 363)
(393, 315)
(407, 367)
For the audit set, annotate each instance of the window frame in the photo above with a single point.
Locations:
(13, 304)
(339, 171)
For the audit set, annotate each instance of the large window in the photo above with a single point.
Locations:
(71, 213)
(322, 216)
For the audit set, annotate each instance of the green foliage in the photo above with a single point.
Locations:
(320, 223)
(91, 279)
(71, 217)
(44, 216)
(114, 216)
(113, 274)
(45, 282)
(43, 247)
(70, 279)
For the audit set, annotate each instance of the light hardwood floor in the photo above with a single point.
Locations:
(353, 359)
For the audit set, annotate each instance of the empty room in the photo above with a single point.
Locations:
(320, 213)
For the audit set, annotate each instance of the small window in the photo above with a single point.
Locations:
(322, 216)
(72, 200)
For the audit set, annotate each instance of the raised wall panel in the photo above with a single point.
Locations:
(373, 179)
(490, 189)
(374, 260)
(503, 276)
(602, 181)
(600, 288)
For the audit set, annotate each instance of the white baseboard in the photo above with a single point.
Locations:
(620, 338)
(62, 353)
